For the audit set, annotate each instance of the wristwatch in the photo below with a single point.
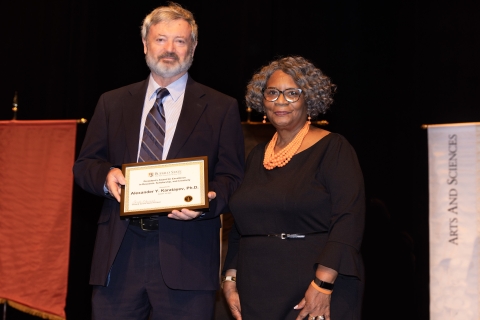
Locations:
(323, 284)
(228, 278)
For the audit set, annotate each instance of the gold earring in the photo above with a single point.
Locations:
(309, 119)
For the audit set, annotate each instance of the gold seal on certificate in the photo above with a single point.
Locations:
(159, 187)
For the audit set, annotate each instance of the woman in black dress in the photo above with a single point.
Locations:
(299, 214)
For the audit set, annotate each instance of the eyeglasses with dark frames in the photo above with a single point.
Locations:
(291, 95)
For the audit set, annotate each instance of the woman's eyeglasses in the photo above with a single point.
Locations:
(291, 95)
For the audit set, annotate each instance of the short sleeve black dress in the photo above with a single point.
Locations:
(319, 194)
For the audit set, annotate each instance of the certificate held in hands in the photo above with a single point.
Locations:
(159, 187)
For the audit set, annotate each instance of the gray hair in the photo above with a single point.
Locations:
(316, 86)
(173, 11)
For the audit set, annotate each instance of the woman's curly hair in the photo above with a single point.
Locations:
(317, 87)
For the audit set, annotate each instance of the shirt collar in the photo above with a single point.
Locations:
(176, 88)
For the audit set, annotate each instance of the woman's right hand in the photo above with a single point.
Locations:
(232, 298)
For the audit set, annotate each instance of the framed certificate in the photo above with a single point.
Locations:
(159, 187)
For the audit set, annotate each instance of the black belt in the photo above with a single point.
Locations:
(284, 236)
(147, 224)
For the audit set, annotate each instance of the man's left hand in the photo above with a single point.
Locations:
(186, 214)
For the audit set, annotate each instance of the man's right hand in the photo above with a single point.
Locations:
(114, 181)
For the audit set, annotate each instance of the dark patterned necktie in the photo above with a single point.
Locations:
(154, 132)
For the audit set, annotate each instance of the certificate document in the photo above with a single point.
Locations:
(159, 187)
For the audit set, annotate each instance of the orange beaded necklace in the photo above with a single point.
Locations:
(272, 160)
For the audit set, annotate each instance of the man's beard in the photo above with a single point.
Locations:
(168, 70)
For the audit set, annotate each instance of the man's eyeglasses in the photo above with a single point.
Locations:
(291, 95)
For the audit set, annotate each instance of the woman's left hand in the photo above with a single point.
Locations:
(314, 304)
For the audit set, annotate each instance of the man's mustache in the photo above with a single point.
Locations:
(169, 55)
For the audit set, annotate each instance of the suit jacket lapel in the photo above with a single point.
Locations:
(192, 109)
(132, 115)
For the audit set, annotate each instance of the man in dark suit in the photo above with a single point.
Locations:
(160, 267)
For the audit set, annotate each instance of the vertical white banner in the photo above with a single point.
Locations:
(454, 187)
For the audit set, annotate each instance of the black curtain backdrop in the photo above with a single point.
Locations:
(398, 64)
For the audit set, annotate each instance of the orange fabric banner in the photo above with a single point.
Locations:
(36, 182)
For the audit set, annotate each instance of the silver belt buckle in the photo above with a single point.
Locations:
(141, 225)
(284, 236)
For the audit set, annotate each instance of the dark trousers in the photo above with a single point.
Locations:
(136, 290)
